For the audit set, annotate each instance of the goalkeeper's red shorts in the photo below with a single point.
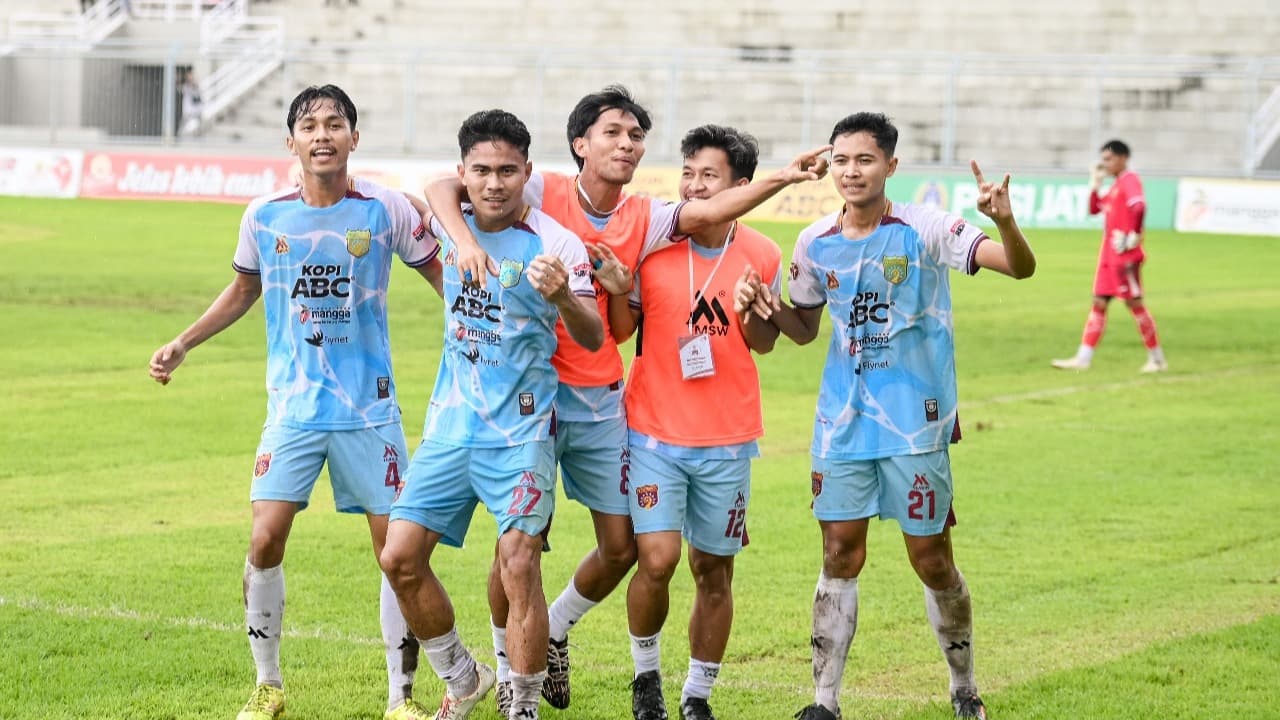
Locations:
(1119, 281)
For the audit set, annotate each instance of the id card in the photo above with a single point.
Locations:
(695, 357)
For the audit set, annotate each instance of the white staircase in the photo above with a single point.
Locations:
(243, 50)
(1264, 135)
(87, 29)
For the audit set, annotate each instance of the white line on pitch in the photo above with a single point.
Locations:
(1126, 384)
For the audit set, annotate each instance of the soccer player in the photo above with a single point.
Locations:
(693, 409)
(321, 254)
(606, 133)
(887, 401)
(487, 435)
(1120, 259)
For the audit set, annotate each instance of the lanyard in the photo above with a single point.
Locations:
(693, 299)
(582, 191)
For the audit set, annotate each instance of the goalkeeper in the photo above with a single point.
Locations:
(1119, 260)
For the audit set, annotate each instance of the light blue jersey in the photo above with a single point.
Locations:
(324, 289)
(889, 384)
(496, 386)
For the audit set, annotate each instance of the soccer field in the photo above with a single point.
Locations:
(1119, 532)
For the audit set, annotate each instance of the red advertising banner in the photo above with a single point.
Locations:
(181, 177)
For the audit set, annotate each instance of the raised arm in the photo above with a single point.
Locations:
(445, 195)
(234, 301)
(1013, 256)
(617, 280)
(735, 202)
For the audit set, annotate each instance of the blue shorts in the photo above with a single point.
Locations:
(913, 489)
(364, 466)
(593, 463)
(444, 483)
(706, 499)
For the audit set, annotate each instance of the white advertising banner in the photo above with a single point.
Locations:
(40, 173)
(1244, 207)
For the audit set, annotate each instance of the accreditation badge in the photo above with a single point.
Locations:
(695, 357)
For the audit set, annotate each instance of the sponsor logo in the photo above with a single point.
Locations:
(472, 354)
(318, 338)
(895, 268)
(384, 389)
(867, 308)
(509, 272)
(921, 483)
(261, 465)
(794, 271)
(282, 245)
(647, 496)
(526, 403)
(875, 341)
(833, 282)
(957, 227)
(741, 500)
(709, 317)
(931, 410)
(476, 303)
(320, 281)
(581, 270)
(420, 232)
(528, 479)
(815, 483)
(389, 453)
(358, 242)
(322, 316)
(477, 335)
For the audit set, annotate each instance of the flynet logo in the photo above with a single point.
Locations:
(708, 317)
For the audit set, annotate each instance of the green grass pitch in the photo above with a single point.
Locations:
(1119, 532)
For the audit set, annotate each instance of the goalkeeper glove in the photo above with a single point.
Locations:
(1095, 177)
(1122, 241)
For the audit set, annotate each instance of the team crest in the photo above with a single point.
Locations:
(895, 268)
(833, 282)
(358, 242)
(815, 483)
(509, 272)
(282, 245)
(647, 496)
(794, 271)
(261, 465)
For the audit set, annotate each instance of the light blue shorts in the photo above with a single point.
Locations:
(364, 466)
(915, 490)
(705, 499)
(444, 483)
(593, 463)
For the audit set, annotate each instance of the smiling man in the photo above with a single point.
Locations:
(487, 436)
(321, 254)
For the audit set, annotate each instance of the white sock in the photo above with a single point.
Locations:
(400, 645)
(702, 676)
(452, 663)
(567, 610)
(500, 651)
(526, 690)
(951, 615)
(1156, 354)
(646, 652)
(264, 616)
(835, 621)
(1085, 353)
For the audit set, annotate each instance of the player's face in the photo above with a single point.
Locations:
(494, 174)
(860, 168)
(612, 147)
(706, 173)
(1112, 163)
(322, 139)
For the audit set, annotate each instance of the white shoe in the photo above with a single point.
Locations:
(1071, 363)
(1154, 366)
(452, 708)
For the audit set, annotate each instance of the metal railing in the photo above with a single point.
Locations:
(90, 27)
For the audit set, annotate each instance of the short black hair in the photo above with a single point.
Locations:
(307, 100)
(590, 108)
(492, 126)
(742, 150)
(885, 134)
(1117, 147)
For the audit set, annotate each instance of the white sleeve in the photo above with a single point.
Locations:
(949, 239)
(573, 253)
(775, 285)
(806, 286)
(662, 224)
(248, 257)
(407, 230)
(633, 297)
(535, 190)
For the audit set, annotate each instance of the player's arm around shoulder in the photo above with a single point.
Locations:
(1013, 256)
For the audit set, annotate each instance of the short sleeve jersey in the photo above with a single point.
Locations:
(1123, 207)
(889, 384)
(636, 228)
(325, 273)
(496, 386)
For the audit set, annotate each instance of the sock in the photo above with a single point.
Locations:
(400, 645)
(645, 652)
(567, 610)
(264, 616)
(500, 651)
(452, 663)
(702, 676)
(526, 690)
(835, 620)
(1093, 328)
(951, 615)
(1147, 326)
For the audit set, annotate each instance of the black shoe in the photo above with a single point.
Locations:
(555, 688)
(646, 697)
(696, 709)
(816, 712)
(968, 705)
